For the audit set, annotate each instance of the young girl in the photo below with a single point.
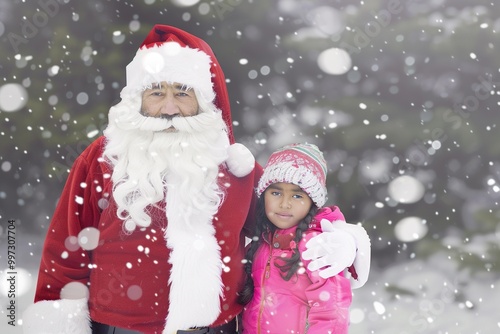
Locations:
(280, 294)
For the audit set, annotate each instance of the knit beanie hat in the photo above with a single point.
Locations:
(300, 164)
(173, 55)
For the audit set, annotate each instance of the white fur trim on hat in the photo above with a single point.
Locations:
(299, 164)
(170, 62)
(61, 316)
(240, 161)
(289, 173)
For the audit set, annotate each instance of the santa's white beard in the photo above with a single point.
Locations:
(149, 163)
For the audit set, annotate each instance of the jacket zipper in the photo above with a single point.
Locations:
(267, 273)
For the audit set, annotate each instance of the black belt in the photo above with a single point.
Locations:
(232, 327)
(98, 328)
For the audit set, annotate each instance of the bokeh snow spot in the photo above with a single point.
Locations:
(326, 20)
(75, 290)
(13, 97)
(71, 243)
(134, 292)
(6, 166)
(153, 62)
(356, 315)
(185, 3)
(406, 189)
(410, 229)
(130, 226)
(79, 200)
(379, 307)
(88, 238)
(324, 296)
(103, 203)
(334, 61)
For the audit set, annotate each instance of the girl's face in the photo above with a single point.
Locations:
(286, 204)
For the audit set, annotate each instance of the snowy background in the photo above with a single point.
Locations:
(402, 96)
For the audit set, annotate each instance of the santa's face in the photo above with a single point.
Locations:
(173, 147)
(169, 100)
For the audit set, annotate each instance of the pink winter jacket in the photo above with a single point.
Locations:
(306, 303)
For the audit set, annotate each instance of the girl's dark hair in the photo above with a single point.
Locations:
(264, 227)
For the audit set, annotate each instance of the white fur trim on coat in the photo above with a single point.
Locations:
(195, 278)
(63, 316)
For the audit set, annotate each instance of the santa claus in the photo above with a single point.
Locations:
(149, 232)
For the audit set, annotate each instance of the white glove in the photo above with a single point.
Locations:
(337, 248)
(333, 250)
(240, 161)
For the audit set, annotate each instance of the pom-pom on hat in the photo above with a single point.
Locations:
(173, 55)
(300, 164)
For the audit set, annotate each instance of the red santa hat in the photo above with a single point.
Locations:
(173, 55)
(300, 164)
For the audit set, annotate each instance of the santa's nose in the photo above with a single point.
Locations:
(169, 106)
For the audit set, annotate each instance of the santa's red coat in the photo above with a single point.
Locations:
(127, 274)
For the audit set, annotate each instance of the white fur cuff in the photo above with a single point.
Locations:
(240, 161)
(63, 316)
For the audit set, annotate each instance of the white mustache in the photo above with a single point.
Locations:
(129, 120)
(157, 124)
